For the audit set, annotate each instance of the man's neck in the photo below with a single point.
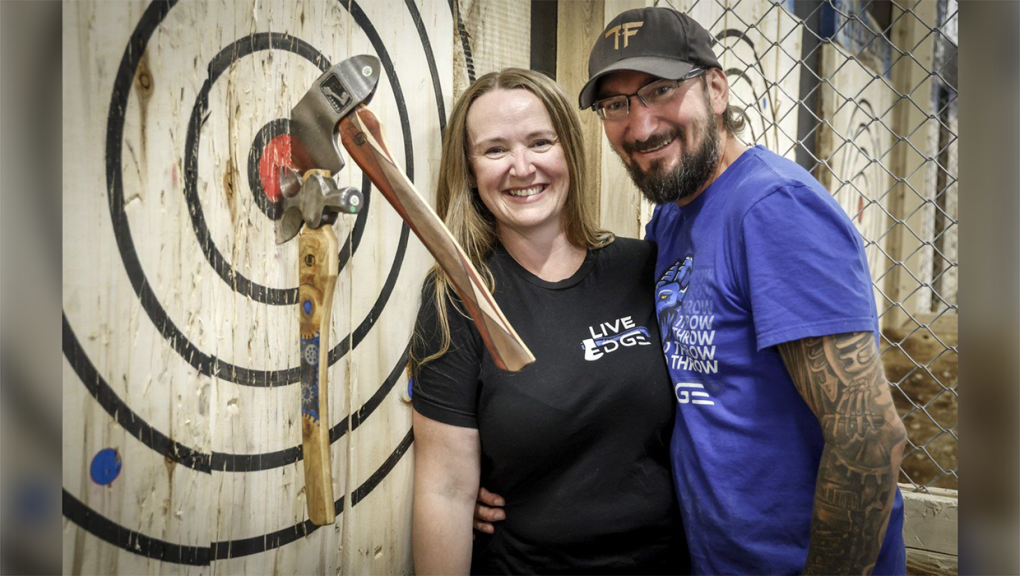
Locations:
(550, 257)
(731, 150)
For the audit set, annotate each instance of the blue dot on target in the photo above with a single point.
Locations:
(105, 466)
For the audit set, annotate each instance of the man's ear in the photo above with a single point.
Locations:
(718, 89)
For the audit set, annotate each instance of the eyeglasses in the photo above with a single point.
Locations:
(651, 94)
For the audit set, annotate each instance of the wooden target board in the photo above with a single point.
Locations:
(854, 143)
(182, 433)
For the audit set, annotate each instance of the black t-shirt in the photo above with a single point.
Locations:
(578, 442)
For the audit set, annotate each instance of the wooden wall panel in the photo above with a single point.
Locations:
(851, 145)
(913, 119)
(618, 202)
(491, 34)
(579, 24)
(758, 49)
(178, 337)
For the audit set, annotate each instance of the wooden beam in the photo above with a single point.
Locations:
(579, 24)
(912, 121)
(930, 531)
(930, 521)
(617, 203)
(619, 199)
(924, 563)
(544, 29)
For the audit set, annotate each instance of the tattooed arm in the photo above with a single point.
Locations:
(841, 379)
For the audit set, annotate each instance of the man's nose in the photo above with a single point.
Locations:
(641, 121)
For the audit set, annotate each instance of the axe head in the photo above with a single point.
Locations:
(313, 202)
(314, 133)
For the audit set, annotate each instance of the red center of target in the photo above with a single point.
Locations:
(275, 155)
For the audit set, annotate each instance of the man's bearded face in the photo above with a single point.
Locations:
(693, 166)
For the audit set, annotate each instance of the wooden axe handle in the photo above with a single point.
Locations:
(361, 136)
(317, 273)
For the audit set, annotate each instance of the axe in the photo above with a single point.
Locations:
(336, 104)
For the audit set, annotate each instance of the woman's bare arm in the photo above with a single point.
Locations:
(447, 466)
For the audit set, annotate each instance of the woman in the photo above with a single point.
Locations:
(578, 441)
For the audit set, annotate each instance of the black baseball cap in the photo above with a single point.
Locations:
(657, 41)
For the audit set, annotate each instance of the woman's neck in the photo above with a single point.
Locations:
(552, 258)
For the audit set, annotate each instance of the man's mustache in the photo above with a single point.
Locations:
(653, 141)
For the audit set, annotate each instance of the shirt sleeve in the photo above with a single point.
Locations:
(445, 389)
(805, 268)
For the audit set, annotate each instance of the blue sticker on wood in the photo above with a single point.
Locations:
(105, 466)
(307, 305)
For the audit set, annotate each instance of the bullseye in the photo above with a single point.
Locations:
(269, 151)
(275, 155)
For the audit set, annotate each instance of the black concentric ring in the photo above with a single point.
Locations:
(206, 363)
(136, 542)
(197, 460)
(220, 63)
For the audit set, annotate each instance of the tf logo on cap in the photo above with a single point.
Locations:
(657, 41)
(629, 29)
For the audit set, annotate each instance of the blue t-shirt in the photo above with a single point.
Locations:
(763, 256)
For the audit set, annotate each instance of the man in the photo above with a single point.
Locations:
(786, 446)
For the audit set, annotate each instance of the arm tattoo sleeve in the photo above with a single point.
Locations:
(842, 381)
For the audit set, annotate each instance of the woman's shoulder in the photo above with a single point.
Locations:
(629, 249)
(628, 257)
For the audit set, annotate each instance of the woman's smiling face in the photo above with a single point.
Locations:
(517, 162)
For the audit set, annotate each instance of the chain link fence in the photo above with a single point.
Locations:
(864, 95)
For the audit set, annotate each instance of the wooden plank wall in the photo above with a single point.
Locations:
(849, 144)
(618, 202)
(914, 120)
(490, 35)
(180, 345)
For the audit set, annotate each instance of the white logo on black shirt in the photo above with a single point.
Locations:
(611, 336)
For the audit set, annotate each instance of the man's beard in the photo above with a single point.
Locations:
(692, 170)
